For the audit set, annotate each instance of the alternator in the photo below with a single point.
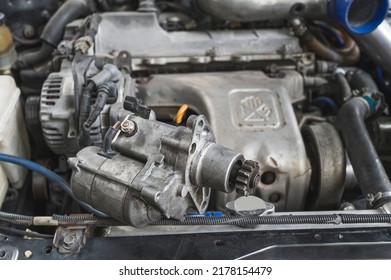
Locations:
(159, 171)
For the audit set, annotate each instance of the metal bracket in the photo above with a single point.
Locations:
(70, 240)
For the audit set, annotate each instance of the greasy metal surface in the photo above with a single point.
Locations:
(327, 155)
(249, 113)
(141, 35)
(70, 240)
(57, 113)
(160, 171)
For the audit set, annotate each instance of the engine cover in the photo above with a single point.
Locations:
(252, 114)
(153, 48)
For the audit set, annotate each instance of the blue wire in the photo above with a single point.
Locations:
(318, 102)
(51, 176)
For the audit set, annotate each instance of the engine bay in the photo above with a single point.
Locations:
(126, 118)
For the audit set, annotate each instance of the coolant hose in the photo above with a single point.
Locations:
(54, 30)
(30, 59)
(356, 16)
(344, 89)
(51, 176)
(370, 173)
(362, 81)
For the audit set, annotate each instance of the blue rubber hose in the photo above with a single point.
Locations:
(333, 33)
(349, 14)
(51, 176)
(325, 101)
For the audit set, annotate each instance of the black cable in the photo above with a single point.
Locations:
(107, 94)
(251, 220)
(76, 86)
(85, 220)
(280, 220)
(17, 219)
(23, 233)
(85, 62)
(290, 219)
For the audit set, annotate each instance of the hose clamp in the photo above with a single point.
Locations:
(375, 101)
(373, 199)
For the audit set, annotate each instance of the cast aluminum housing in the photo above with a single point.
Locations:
(251, 113)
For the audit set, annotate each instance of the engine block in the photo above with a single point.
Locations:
(251, 113)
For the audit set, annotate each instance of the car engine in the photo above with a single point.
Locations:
(137, 118)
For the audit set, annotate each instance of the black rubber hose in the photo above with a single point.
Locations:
(345, 91)
(85, 103)
(30, 59)
(107, 150)
(35, 77)
(107, 94)
(361, 80)
(372, 177)
(54, 30)
(103, 5)
(69, 11)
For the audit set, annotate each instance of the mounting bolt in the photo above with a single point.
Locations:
(68, 241)
(45, 14)
(318, 237)
(28, 31)
(28, 254)
(128, 127)
(298, 26)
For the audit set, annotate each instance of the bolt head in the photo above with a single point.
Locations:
(28, 254)
(128, 127)
(68, 241)
(29, 31)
